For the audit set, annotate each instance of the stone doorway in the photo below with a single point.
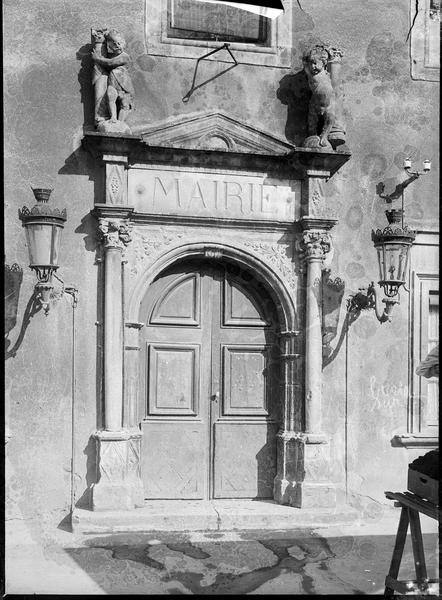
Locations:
(209, 388)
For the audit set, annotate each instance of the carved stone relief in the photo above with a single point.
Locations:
(114, 233)
(314, 244)
(115, 184)
(277, 257)
(147, 246)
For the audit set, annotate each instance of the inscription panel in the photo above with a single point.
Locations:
(203, 193)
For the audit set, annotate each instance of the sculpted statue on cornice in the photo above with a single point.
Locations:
(113, 89)
(322, 66)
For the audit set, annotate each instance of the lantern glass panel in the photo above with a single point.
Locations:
(396, 261)
(56, 237)
(39, 237)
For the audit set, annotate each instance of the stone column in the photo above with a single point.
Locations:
(118, 448)
(316, 243)
(115, 235)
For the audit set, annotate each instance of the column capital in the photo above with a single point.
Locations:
(114, 233)
(315, 244)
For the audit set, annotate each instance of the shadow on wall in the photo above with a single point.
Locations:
(332, 295)
(86, 90)
(91, 474)
(295, 93)
(13, 280)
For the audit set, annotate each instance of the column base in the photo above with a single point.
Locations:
(302, 479)
(118, 460)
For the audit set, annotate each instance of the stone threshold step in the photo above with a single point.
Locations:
(215, 515)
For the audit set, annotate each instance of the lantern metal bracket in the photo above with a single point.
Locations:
(368, 298)
(47, 294)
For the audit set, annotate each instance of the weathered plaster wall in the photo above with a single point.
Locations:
(47, 102)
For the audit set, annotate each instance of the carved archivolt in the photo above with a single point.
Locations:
(146, 247)
(276, 257)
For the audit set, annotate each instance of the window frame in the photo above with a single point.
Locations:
(264, 24)
(276, 54)
(423, 278)
(425, 63)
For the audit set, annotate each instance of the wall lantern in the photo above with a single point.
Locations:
(43, 226)
(393, 244)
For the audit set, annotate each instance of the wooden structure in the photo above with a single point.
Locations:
(411, 506)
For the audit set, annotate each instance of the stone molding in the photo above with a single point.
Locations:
(199, 130)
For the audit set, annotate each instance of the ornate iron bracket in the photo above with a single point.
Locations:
(367, 298)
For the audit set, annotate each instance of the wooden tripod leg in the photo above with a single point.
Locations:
(401, 537)
(418, 546)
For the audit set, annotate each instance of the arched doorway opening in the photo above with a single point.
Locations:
(210, 396)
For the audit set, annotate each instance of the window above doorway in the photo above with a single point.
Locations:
(195, 20)
(188, 28)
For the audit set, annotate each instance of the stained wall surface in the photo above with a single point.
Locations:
(47, 104)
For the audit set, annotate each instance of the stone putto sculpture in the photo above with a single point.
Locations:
(113, 89)
(322, 65)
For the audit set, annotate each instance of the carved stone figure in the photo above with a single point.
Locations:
(113, 65)
(322, 65)
(99, 76)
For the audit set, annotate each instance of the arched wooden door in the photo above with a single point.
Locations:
(209, 387)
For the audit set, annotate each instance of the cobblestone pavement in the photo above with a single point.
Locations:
(214, 563)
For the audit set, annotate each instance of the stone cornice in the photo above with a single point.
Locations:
(294, 161)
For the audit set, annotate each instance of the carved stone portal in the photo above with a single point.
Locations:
(173, 214)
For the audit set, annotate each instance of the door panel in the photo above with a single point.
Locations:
(210, 414)
(245, 458)
(180, 303)
(244, 380)
(174, 460)
(240, 307)
(173, 379)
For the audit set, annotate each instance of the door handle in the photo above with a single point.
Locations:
(215, 397)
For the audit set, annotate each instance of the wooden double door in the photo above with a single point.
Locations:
(209, 386)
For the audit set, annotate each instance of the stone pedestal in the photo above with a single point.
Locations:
(118, 458)
(302, 479)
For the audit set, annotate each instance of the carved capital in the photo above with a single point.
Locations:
(114, 233)
(315, 244)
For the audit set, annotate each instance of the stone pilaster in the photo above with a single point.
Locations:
(310, 447)
(116, 178)
(286, 483)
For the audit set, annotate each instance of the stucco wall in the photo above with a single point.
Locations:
(47, 103)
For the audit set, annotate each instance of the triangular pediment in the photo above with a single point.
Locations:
(213, 131)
